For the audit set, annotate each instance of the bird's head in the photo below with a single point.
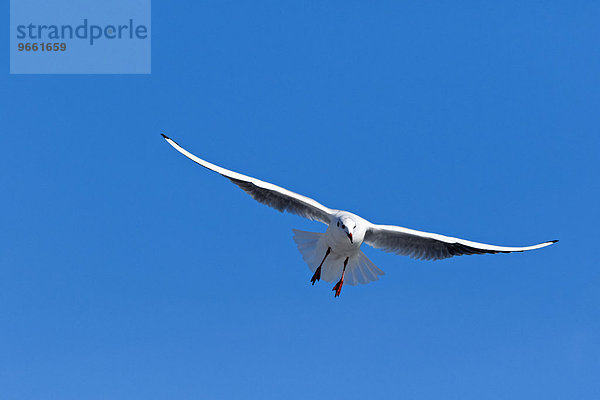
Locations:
(348, 226)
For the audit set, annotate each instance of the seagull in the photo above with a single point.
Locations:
(335, 254)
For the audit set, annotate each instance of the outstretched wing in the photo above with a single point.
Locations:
(431, 246)
(264, 192)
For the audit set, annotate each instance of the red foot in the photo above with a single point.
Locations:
(338, 287)
(316, 276)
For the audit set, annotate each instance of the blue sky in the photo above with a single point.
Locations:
(127, 272)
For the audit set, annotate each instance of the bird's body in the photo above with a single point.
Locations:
(335, 254)
(314, 246)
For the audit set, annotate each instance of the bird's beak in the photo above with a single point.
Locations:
(350, 236)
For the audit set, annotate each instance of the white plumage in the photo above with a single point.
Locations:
(335, 254)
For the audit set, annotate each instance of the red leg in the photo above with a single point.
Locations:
(317, 275)
(338, 286)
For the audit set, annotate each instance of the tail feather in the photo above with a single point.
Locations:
(308, 243)
(360, 276)
(312, 246)
(351, 277)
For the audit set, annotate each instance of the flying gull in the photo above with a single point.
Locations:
(335, 254)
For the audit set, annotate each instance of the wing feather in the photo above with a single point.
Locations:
(266, 193)
(431, 246)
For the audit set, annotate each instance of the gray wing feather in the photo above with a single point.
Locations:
(266, 193)
(281, 202)
(431, 246)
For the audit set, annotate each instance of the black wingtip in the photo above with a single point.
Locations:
(554, 241)
(165, 136)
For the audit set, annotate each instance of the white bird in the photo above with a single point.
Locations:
(335, 254)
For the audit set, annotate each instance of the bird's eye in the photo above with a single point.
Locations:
(343, 227)
(338, 223)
